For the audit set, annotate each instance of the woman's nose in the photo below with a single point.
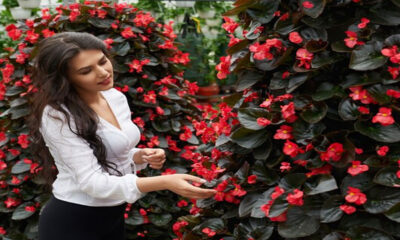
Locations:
(102, 72)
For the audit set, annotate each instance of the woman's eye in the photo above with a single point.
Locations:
(103, 62)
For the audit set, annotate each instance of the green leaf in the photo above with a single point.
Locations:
(298, 224)
(19, 112)
(378, 92)
(263, 199)
(160, 220)
(394, 213)
(306, 131)
(247, 204)
(325, 91)
(135, 220)
(396, 2)
(330, 211)
(14, 90)
(316, 10)
(263, 11)
(232, 99)
(384, 14)
(216, 224)
(100, 23)
(360, 181)
(249, 138)
(387, 177)
(324, 183)
(293, 180)
(263, 151)
(161, 126)
(296, 82)
(279, 206)
(363, 233)
(277, 82)
(367, 57)
(381, 199)
(315, 112)
(121, 49)
(20, 213)
(264, 174)
(248, 78)
(387, 134)
(248, 117)
(356, 79)
(348, 110)
(20, 167)
(18, 102)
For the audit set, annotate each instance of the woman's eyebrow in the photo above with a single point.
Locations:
(82, 68)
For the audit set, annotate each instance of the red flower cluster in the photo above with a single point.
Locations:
(334, 152)
(229, 25)
(362, 95)
(384, 117)
(231, 195)
(266, 207)
(305, 58)
(223, 67)
(352, 40)
(394, 57)
(264, 51)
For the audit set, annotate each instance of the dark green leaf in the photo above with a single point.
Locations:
(121, 49)
(367, 57)
(363, 233)
(387, 134)
(348, 110)
(247, 204)
(248, 78)
(315, 112)
(296, 82)
(100, 23)
(160, 220)
(20, 213)
(248, 117)
(264, 174)
(293, 180)
(394, 213)
(324, 183)
(387, 177)
(330, 211)
(263, 151)
(316, 10)
(20, 167)
(378, 92)
(249, 138)
(279, 206)
(263, 11)
(298, 224)
(381, 199)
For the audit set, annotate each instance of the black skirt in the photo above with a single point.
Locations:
(61, 220)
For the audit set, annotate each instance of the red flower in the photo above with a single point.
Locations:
(361, 94)
(277, 192)
(382, 151)
(351, 41)
(305, 58)
(30, 208)
(182, 203)
(398, 174)
(150, 97)
(262, 51)
(13, 32)
(291, 149)
(23, 140)
(357, 168)
(180, 58)
(364, 22)
(354, 195)
(384, 117)
(288, 112)
(363, 110)
(267, 102)
(11, 202)
(308, 4)
(31, 36)
(127, 33)
(3, 165)
(169, 31)
(359, 150)
(233, 40)
(348, 209)
(229, 25)
(334, 152)
(393, 93)
(295, 198)
(143, 20)
(47, 33)
(223, 67)
(326, 169)
(284, 132)
(2, 231)
(108, 42)
(252, 179)
(295, 37)
(263, 121)
(208, 231)
(285, 166)
(392, 53)
(137, 65)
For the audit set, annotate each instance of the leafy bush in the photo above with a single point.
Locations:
(309, 146)
(148, 70)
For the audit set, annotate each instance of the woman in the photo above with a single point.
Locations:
(86, 130)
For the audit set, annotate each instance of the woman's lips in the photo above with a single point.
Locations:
(105, 82)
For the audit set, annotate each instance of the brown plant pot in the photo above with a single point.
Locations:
(210, 90)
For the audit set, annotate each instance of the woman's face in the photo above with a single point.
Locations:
(88, 69)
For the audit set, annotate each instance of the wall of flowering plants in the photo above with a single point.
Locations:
(309, 146)
(148, 70)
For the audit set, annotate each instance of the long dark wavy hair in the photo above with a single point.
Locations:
(49, 76)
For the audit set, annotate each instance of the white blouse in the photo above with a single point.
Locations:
(80, 177)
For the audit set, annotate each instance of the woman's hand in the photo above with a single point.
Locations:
(154, 156)
(179, 184)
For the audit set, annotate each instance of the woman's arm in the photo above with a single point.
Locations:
(177, 183)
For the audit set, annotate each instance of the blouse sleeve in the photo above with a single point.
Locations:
(74, 153)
